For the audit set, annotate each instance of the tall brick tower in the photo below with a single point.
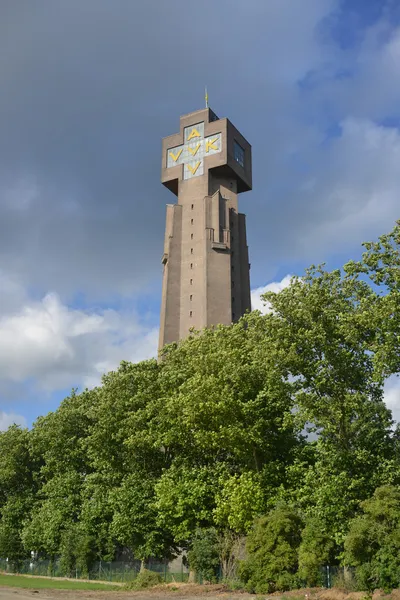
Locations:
(206, 266)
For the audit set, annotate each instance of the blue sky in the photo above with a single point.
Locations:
(88, 91)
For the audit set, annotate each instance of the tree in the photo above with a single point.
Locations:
(323, 332)
(272, 552)
(18, 485)
(203, 556)
(372, 545)
(315, 550)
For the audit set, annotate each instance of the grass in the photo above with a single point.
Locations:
(23, 581)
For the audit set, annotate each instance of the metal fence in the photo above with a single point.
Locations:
(117, 571)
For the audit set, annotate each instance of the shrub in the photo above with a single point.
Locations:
(372, 545)
(315, 550)
(145, 579)
(272, 549)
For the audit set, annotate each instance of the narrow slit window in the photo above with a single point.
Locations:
(191, 282)
(191, 297)
(191, 265)
(191, 221)
(192, 206)
(191, 314)
(191, 236)
(191, 250)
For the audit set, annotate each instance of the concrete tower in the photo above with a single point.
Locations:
(206, 267)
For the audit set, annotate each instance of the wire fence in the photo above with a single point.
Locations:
(125, 572)
(117, 571)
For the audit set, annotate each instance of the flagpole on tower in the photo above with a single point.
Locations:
(206, 97)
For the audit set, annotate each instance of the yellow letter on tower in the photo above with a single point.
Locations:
(194, 169)
(193, 133)
(177, 155)
(210, 144)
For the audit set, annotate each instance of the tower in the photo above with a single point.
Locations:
(206, 267)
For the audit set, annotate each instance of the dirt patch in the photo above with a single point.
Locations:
(186, 591)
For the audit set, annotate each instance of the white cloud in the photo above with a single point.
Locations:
(392, 396)
(275, 286)
(7, 419)
(59, 346)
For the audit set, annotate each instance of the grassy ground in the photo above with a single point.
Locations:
(22, 581)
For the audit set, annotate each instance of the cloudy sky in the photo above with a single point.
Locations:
(89, 87)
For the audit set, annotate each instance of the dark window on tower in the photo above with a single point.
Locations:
(192, 206)
(191, 250)
(191, 221)
(191, 265)
(191, 236)
(191, 297)
(238, 154)
(191, 313)
(191, 282)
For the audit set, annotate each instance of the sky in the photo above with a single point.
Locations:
(89, 88)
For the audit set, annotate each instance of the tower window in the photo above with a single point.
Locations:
(191, 236)
(191, 221)
(191, 282)
(191, 265)
(191, 314)
(191, 297)
(238, 154)
(192, 206)
(191, 250)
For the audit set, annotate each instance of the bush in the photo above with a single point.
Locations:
(372, 545)
(272, 549)
(316, 549)
(145, 579)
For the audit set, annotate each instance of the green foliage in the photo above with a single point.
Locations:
(272, 552)
(145, 579)
(212, 437)
(203, 556)
(316, 549)
(373, 542)
(76, 551)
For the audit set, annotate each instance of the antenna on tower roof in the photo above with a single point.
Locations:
(206, 98)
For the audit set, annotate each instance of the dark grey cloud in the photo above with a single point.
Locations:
(89, 88)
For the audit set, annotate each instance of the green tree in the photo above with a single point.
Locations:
(372, 545)
(203, 556)
(272, 552)
(323, 330)
(315, 550)
(18, 485)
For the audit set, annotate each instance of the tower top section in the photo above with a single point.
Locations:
(206, 144)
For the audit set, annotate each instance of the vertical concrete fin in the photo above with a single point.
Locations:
(244, 265)
(171, 293)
